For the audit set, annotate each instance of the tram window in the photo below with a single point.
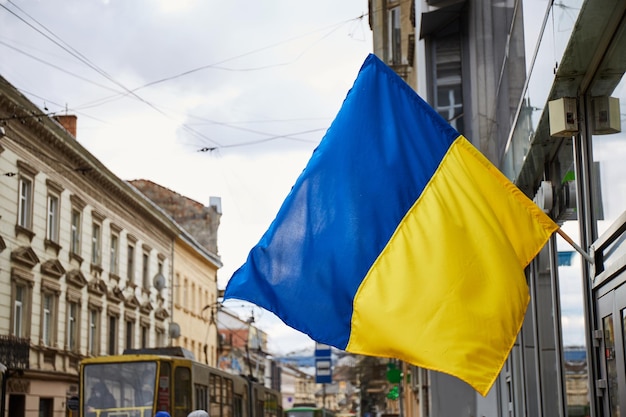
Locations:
(114, 385)
(227, 399)
(237, 406)
(216, 396)
(271, 404)
(259, 409)
(246, 400)
(201, 397)
(182, 391)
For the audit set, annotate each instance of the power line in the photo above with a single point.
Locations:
(217, 65)
(72, 51)
(132, 92)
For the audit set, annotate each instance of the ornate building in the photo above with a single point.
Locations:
(80, 253)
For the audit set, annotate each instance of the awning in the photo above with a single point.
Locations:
(433, 22)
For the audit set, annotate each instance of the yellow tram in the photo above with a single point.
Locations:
(143, 381)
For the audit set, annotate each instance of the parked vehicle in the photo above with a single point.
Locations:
(141, 382)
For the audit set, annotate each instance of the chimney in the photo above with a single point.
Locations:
(68, 121)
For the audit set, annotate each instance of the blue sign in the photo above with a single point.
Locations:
(322, 350)
(323, 364)
(323, 371)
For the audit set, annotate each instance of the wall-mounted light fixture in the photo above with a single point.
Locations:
(158, 281)
(174, 330)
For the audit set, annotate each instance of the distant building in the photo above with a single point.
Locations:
(298, 386)
(393, 33)
(576, 381)
(243, 349)
(194, 287)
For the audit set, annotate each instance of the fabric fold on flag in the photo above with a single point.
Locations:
(399, 239)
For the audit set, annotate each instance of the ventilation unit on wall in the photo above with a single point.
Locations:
(563, 117)
(606, 115)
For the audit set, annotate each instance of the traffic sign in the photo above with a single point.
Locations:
(323, 371)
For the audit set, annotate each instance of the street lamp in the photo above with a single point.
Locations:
(212, 321)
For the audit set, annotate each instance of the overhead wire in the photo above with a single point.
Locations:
(72, 51)
(75, 53)
(218, 66)
(333, 28)
(80, 77)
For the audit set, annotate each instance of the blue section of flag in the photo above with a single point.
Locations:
(357, 187)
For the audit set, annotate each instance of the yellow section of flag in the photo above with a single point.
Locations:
(448, 292)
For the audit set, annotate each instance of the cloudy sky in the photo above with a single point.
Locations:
(207, 98)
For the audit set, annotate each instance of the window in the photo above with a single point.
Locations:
(46, 407)
(96, 244)
(448, 82)
(94, 318)
(160, 337)
(21, 302)
(130, 267)
(47, 319)
(72, 326)
(50, 291)
(52, 220)
(130, 334)
(394, 39)
(112, 343)
(145, 335)
(177, 289)
(192, 294)
(145, 271)
(25, 205)
(18, 311)
(113, 268)
(75, 232)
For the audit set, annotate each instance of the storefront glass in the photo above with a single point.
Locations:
(544, 51)
(609, 170)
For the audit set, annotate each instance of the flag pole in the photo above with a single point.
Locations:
(575, 246)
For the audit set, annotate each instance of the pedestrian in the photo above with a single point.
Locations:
(162, 414)
(100, 399)
(198, 413)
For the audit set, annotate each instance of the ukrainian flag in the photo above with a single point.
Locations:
(399, 239)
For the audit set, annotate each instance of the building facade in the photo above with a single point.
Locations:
(196, 261)
(538, 87)
(577, 76)
(80, 252)
(467, 60)
(393, 34)
(297, 387)
(242, 349)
